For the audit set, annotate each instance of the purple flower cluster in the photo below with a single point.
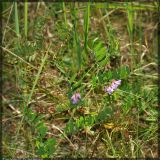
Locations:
(112, 87)
(75, 98)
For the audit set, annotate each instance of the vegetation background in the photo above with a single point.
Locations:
(53, 50)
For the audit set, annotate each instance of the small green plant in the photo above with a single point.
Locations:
(45, 148)
(100, 52)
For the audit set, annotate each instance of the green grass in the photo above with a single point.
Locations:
(64, 12)
(26, 18)
(16, 19)
(86, 25)
(70, 48)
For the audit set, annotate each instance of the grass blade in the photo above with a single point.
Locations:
(25, 18)
(16, 19)
(64, 13)
(7, 21)
(37, 76)
(76, 41)
(86, 25)
(130, 20)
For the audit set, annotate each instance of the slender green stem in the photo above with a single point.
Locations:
(86, 25)
(76, 41)
(37, 76)
(130, 16)
(109, 142)
(25, 18)
(64, 13)
(16, 19)
(7, 22)
(38, 5)
(18, 57)
(137, 131)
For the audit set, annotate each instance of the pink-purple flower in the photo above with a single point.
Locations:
(112, 87)
(75, 98)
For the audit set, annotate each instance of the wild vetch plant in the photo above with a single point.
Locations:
(110, 89)
(75, 98)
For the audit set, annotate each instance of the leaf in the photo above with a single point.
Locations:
(41, 150)
(100, 52)
(37, 119)
(89, 120)
(31, 115)
(42, 129)
(50, 145)
(94, 81)
(70, 127)
(80, 122)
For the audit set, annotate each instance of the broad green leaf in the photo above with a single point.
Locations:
(100, 52)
